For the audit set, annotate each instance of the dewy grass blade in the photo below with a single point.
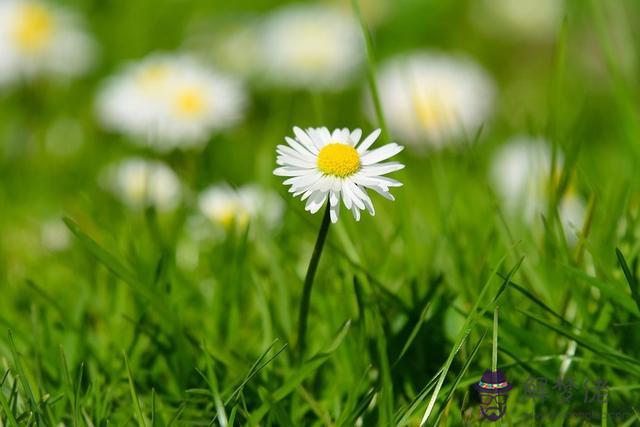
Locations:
(462, 336)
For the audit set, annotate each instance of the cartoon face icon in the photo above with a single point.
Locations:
(493, 390)
(493, 406)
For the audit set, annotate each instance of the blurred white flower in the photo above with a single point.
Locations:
(236, 48)
(40, 39)
(374, 12)
(432, 99)
(521, 176)
(530, 19)
(55, 235)
(141, 183)
(227, 207)
(323, 166)
(167, 101)
(311, 47)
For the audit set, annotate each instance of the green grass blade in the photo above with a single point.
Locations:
(631, 278)
(371, 71)
(134, 395)
(462, 337)
(24, 381)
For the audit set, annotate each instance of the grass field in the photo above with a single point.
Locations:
(152, 304)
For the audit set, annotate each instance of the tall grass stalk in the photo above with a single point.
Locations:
(494, 342)
(371, 70)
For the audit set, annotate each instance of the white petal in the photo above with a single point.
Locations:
(368, 141)
(285, 150)
(334, 211)
(325, 136)
(290, 171)
(381, 168)
(380, 154)
(383, 193)
(306, 194)
(356, 213)
(314, 134)
(380, 181)
(292, 161)
(350, 188)
(302, 181)
(355, 136)
(361, 193)
(315, 202)
(305, 139)
(346, 195)
(301, 148)
(334, 198)
(325, 183)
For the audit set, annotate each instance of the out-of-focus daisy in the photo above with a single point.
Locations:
(521, 175)
(170, 101)
(311, 47)
(231, 45)
(55, 235)
(431, 98)
(141, 183)
(325, 165)
(226, 206)
(530, 19)
(39, 39)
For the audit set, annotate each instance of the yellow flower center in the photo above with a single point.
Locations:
(153, 74)
(34, 27)
(231, 215)
(338, 160)
(189, 102)
(433, 111)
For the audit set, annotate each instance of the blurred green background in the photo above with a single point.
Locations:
(203, 337)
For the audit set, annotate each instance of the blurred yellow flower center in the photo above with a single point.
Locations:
(338, 160)
(34, 27)
(189, 102)
(432, 111)
(136, 185)
(232, 215)
(154, 74)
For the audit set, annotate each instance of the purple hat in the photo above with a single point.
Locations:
(494, 382)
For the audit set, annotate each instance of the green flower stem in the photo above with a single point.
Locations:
(308, 283)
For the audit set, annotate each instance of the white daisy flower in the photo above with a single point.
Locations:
(521, 173)
(170, 101)
(140, 183)
(431, 98)
(324, 165)
(537, 20)
(39, 39)
(226, 206)
(311, 47)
